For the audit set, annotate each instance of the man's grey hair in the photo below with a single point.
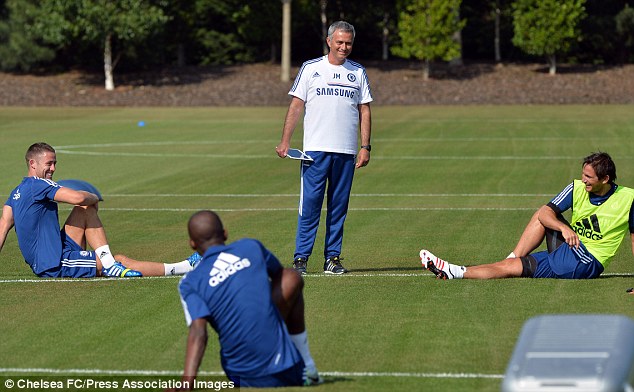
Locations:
(343, 26)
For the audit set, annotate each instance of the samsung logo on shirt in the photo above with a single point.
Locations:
(337, 92)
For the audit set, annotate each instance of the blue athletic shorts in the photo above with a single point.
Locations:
(293, 376)
(75, 263)
(567, 263)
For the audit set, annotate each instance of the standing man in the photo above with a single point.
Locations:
(52, 252)
(254, 304)
(602, 215)
(334, 94)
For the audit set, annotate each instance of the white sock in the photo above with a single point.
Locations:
(301, 343)
(107, 259)
(180, 268)
(511, 255)
(457, 270)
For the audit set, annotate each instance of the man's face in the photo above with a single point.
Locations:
(43, 166)
(593, 183)
(340, 45)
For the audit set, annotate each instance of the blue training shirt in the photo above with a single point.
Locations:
(230, 288)
(37, 223)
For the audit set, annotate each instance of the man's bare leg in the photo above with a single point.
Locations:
(85, 227)
(508, 268)
(531, 238)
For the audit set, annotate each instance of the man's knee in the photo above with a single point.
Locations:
(292, 281)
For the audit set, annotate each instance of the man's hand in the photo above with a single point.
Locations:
(282, 149)
(363, 158)
(571, 238)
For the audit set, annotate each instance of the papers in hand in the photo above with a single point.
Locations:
(294, 153)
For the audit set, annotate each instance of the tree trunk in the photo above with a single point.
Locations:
(496, 40)
(552, 61)
(426, 67)
(107, 63)
(273, 57)
(385, 36)
(180, 55)
(286, 41)
(457, 37)
(324, 24)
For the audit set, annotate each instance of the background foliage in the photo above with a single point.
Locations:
(208, 32)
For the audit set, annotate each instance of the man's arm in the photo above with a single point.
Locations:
(365, 121)
(6, 223)
(295, 110)
(77, 198)
(548, 218)
(196, 345)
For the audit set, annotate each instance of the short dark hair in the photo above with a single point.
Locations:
(37, 149)
(205, 226)
(602, 164)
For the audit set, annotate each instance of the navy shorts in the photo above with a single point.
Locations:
(566, 263)
(293, 376)
(76, 262)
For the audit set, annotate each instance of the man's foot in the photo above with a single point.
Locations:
(312, 377)
(118, 270)
(332, 265)
(438, 266)
(299, 265)
(194, 259)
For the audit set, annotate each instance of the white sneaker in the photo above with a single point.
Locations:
(439, 267)
(118, 270)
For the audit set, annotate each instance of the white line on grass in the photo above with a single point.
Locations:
(70, 149)
(255, 195)
(295, 209)
(84, 280)
(220, 373)
(273, 142)
(270, 156)
(165, 155)
(350, 275)
(165, 143)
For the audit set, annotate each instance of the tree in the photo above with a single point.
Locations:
(99, 22)
(625, 29)
(20, 49)
(426, 29)
(547, 27)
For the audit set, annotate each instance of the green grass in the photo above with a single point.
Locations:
(461, 181)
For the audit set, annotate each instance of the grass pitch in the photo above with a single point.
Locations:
(460, 181)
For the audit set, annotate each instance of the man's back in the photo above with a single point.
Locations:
(230, 288)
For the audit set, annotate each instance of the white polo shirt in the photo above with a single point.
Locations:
(332, 95)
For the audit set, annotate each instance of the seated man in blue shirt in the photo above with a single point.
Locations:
(52, 252)
(602, 216)
(254, 304)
